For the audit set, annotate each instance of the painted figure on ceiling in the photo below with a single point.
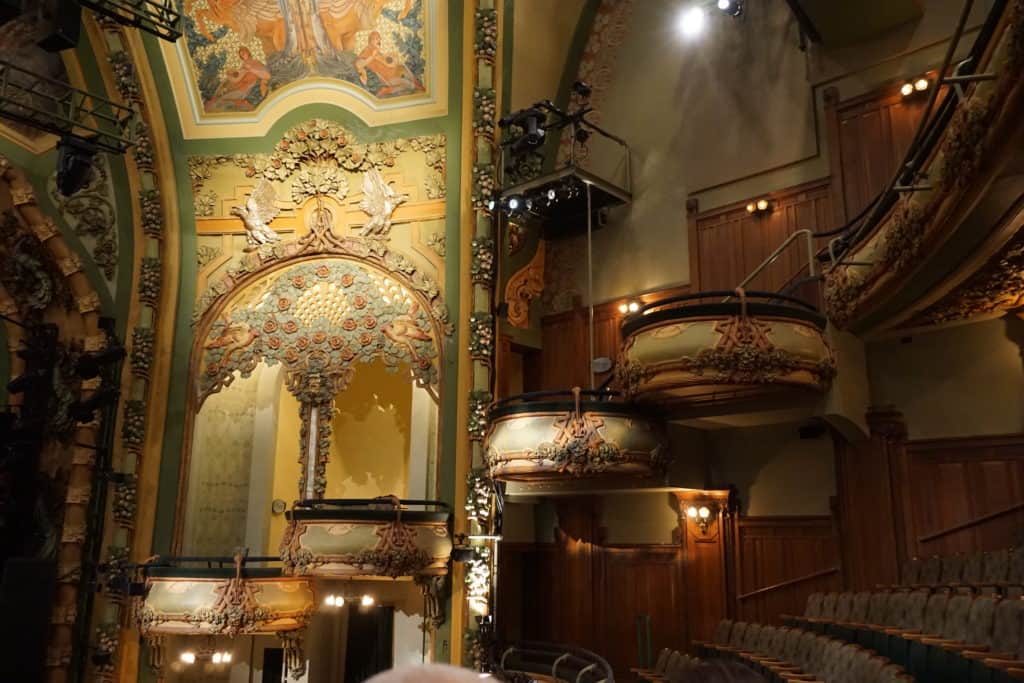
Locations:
(289, 40)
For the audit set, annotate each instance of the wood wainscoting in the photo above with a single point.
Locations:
(779, 561)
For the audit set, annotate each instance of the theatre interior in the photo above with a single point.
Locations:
(568, 341)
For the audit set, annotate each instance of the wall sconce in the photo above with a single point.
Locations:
(760, 206)
(629, 307)
(917, 85)
(701, 516)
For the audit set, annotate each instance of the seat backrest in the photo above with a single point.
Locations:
(844, 603)
(751, 637)
(952, 569)
(672, 662)
(1015, 574)
(764, 643)
(980, 621)
(805, 653)
(997, 566)
(974, 569)
(777, 648)
(935, 613)
(957, 613)
(877, 608)
(910, 572)
(859, 608)
(662, 661)
(931, 570)
(913, 611)
(828, 605)
(791, 652)
(813, 607)
(739, 629)
(1008, 626)
(894, 610)
(722, 631)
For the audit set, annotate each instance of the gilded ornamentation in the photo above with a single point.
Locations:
(478, 577)
(964, 149)
(323, 317)
(143, 149)
(485, 44)
(903, 240)
(317, 392)
(205, 255)
(204, 202)
(379, 202)
(124, 77)
(484, 185)
(523, 287)
(141, 357)
(88, 303)
(434, 593)
(481, 337)
(150, 277)
(90, 212)
(105, 645)
(321, 180)
(152, 213)
(396, 553)
(236, 609)
(479, 405)
(484, 113)
(997, 287)
(294, 658)
(126, 501)
(438, 242)
(481, 267)
(133, 429)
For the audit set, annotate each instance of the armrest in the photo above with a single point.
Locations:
(963, 647)
(1000, 663)
(933, 640)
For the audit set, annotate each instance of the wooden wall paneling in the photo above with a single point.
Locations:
(782, 560)
(871, 516)
(705, 563)
(964, 495)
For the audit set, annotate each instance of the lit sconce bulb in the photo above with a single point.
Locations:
(762, 204)
(367, 601)
(551, 195)
(704, 512)
(691, 512)
(634, 306)
(623, 308)
(188, 657)
(226, 658)
(751, 207)
(217, 658)
(921, 84)
(329, 600)
(906, 89)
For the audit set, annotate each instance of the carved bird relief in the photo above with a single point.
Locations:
(233, 339)
(379, 201)
(259, 210)
(403, 331)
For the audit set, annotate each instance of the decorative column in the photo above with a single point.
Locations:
(315, 392)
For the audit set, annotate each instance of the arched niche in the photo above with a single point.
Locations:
(319, 377)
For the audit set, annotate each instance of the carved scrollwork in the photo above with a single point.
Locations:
(525, 286)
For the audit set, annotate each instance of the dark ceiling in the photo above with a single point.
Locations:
(837, 23)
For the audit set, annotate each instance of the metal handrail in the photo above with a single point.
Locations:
(593, 663)
(366, 503)
(683, 298)
(775, 254)
(598, 394)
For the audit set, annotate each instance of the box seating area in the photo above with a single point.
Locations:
(668, 668)
(783, 654)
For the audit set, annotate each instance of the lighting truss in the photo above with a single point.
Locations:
(159, 17)
(57, 107)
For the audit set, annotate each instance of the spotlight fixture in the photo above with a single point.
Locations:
(759, 206)
(490, 204)
(915, 85)
(188, 657)
(552, 194)
(907, 89)
(513, 203)
(367, 601)
(74, 163)
(733, 8)
(692, 21)
(921, 84)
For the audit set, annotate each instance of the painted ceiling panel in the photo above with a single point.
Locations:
(841, 23)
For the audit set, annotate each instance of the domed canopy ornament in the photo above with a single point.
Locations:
(555, 434)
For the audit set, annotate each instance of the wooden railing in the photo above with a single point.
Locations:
(788, 583)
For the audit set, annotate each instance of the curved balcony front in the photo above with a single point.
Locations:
(554, 435)
(718, 347)
(380, 537)
(223, 601)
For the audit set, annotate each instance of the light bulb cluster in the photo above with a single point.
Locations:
(189, 657)
(701, 516)
(915, 86)
(629, 307)
(759, 206)
(338, 601)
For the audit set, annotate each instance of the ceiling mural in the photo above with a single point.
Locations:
(249, 61)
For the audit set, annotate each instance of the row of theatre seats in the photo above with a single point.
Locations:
(785, 655)
(943, 636)
(670, 667)
(999, 569)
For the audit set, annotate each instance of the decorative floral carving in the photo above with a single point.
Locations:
(479, 492)
(152, 213)
(106, 638)
(481, 267)
(484, 113)
(204, 202)
(524, 286)
(143, 149)
(91, 214)
(479, 406)
(478, 577)
(902, 242)
(133, 430)
(438, 241)
(142, 350)
(485, 44)
(964, 149)
(319, 180)
(150, 277)
(206, 255)
(124, 77)
(484, 185)
(481, 337)
(201, 168)
(125, 501)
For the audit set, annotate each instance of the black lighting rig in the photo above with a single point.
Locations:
(562, 198)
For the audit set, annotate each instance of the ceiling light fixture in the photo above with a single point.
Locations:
(692, 21)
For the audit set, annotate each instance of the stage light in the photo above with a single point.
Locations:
(921, 84)
(907, 89)
(731, 7)
(74, 163)
(513, 203)
(490, 205)
(552, 194)
(692, 22)
(367, 601)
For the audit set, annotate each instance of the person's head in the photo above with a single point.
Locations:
(428, 673)
(244, 52)
(374, 39)
(720, 672)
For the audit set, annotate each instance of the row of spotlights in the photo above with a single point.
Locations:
(189, 657)
(760, 206)
(694, 19)
(517, 202)
(918, 85)
(339, 601)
